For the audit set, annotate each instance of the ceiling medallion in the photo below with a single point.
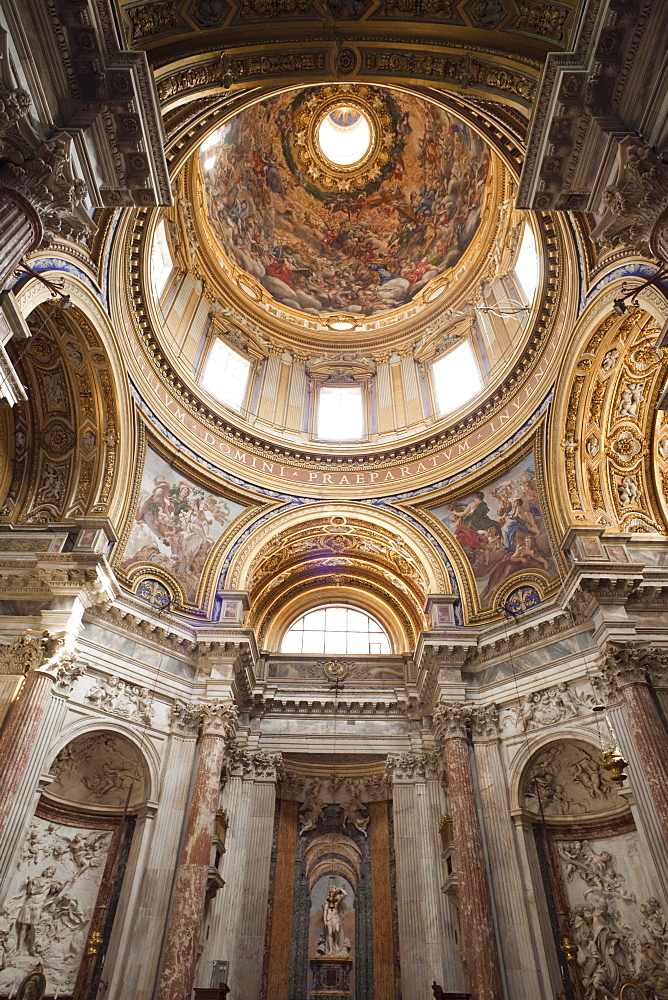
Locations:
(359, 117)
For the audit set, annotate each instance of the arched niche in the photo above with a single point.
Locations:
(65, 887)
(610, 449)
(67, 435)
(338, 553)
(595, 882)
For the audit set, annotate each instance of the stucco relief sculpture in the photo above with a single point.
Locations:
(618, 939)
(131, 701)
(311, 813)
(99, 768)
(566, 778)
(597, 870)
(549, 706)
(353, 810)
(50, 902)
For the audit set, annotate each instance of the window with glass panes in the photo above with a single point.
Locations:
(336, 629)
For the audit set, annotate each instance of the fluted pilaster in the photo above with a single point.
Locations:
(426, 938)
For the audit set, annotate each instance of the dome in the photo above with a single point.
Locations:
(344, 199)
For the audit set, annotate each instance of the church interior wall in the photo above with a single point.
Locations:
(481, 809)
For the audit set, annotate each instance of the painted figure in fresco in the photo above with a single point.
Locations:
(501, 529)
(365, 250)
(176, 525)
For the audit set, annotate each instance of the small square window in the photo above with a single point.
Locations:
(456, 378)
(226, 375)
(340, 413)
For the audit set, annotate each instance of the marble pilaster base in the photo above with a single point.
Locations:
(331, 978)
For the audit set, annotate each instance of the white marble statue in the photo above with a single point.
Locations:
(336, 944)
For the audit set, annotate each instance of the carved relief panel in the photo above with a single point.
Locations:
(598, 887)
(50, 900)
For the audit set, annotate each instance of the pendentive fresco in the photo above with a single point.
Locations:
(501, 528)
(176, 524)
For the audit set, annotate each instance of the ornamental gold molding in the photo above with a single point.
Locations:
(309, 152)
(615, 445)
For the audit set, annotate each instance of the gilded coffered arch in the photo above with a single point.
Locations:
(613, 442)
(67, 435)
(350, 554)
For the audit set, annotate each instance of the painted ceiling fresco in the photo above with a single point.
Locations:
(176, 524)
(319, 249)
(501, 529)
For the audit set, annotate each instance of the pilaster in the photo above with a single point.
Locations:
(426, 936)
(239, 911)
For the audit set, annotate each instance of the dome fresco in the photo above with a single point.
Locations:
(323, 234)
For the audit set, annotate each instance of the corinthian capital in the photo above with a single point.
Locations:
(409, 766)
(219, 718)
(636, 205)
(258, 765)
(623, 665)
(485, 722)
(30, 652)
(211, 718)
(452, 721)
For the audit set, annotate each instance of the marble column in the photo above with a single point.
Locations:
(451, 724)
(426, 937)
(218, 723)
(137, 973)
(20, 231)
(512, 896)
(239, 915)
(42, 659)
(628, 669)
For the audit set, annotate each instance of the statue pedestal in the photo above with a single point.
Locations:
(331, 977)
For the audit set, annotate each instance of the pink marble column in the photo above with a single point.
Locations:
(482, 956)
(20, 231)
(19, 733)
(650, 738)
(187, 911)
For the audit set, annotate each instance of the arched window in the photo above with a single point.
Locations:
(335, 629)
